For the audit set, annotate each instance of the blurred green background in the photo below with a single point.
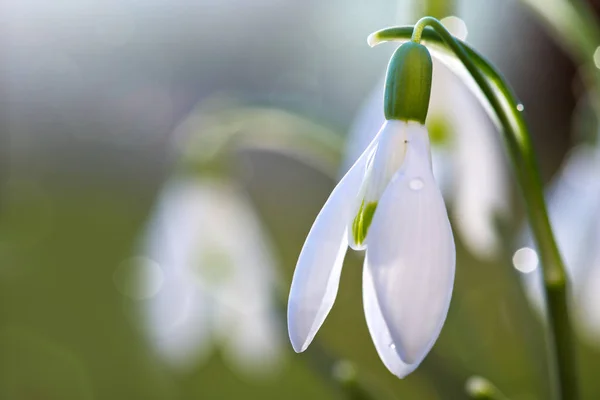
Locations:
(91, 93)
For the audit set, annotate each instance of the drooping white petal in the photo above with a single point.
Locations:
(384, 344)
(317, 274)
(411, 254)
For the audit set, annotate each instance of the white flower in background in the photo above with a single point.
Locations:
(389, 205)
(468, 162)
(574, 211)
(218, 277)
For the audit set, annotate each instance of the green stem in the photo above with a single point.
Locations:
(518, 142)
(216, 130)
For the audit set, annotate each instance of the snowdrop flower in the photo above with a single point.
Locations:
(389, 205)
(468, 162)
(218, 277)
(574, 211)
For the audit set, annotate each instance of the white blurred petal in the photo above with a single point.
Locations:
(246, 315)
(441, 55)
(411, 254)
(219, 275)
(455, 26)
(317, 274)
(480, 181)
(254, 347)
(177, 317)
(367, 123)
(573, 198)
(379, 331)
(588, 300)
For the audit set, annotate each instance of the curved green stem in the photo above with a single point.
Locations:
(518, 142)
(216, 130)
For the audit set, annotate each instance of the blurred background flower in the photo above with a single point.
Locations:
(219, 277)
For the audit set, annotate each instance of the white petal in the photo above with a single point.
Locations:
(588, 299)
(177, 316)
(254, 347)
(411, 254)
(573, 200)
(379, 331)
(246, 318)
(317, 274)
(589, 307)
(382, 166)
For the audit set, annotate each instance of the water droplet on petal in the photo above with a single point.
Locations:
(525, 260)
(416, 184)
(392, 346)
(520, 107)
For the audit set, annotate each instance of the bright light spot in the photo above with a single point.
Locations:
(525, 260)
(456, 26)
(477, 386)
(138, 278)
(597, 57)
(520, 107)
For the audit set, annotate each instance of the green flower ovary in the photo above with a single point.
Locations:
(362, 221)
